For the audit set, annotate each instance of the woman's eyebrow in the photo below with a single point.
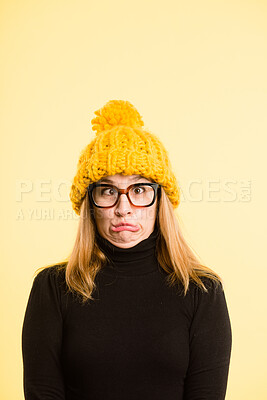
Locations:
(135, 178)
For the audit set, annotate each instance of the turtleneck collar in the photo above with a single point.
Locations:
(137, 260)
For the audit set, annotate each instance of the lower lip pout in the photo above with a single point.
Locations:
(125, 228)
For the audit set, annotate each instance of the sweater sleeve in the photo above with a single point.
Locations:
(210, 345)
(41, 340)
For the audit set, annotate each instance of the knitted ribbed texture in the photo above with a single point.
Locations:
(122, 146)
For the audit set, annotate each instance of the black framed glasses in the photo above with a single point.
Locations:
(139, 194)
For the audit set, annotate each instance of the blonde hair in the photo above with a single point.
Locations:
(174, 254)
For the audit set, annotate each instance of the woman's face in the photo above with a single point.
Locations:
(143, 218)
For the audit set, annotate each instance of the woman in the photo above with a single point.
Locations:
(131, 313)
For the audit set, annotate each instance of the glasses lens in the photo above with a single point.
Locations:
(141, 195)
(104, 196)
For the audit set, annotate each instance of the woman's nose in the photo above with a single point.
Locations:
(123, 206)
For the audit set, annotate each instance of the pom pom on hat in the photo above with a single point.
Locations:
(122, 146)
(114, 113)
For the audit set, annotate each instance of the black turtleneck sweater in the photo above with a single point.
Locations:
(139, 340)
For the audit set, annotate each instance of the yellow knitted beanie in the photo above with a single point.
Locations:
(122, 146)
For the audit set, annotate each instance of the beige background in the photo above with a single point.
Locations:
(196, 71)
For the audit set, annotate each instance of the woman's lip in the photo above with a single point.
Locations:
(123, 224)
(125, 228)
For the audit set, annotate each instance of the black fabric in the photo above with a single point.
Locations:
(136, 260)
(138, 340)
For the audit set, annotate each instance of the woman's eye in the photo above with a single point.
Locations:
(138, 190)
(107, 192)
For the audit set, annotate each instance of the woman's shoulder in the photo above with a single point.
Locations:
(210, 300)
(206, 285)
(50, 284)
(211, 290)
(54, 273)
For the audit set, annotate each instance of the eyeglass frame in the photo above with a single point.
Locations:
(156, 187)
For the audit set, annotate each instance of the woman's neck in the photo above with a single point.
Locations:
(137, 260)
